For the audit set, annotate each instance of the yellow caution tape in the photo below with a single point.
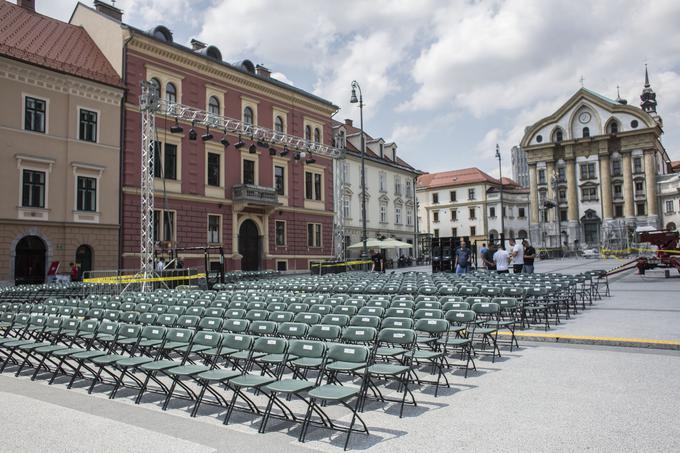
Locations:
(344, 263)
(138, 278)
(611, 252)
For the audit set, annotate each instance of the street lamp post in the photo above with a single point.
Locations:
(500, 173)
(360, 100)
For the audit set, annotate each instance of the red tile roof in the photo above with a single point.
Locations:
(43, 41)
(457, 178)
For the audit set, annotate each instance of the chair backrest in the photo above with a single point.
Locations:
(129, 331)
(403, 337)
(277, 306)
(207, 338)
(257, 315)
(108, 328)
(195, 311)
(235, 325)
(210, 323)
(460, 317)
(324, 332)
(455, 306)
(188, 321)
(293, 329)
(270, 345)
(235, 313)
(372, 311)
(348, 353)
(112, 315)
(281, 316)
(397, 312)
(485, 308)
(307, 348)
(428, 313)
(159, 309)
(297, 307)
(432, 326)
(262, 328)
(397, 323)
(349, 310)
(88, 326)
(505, 303)
(361, 335)
(241, 304)
(403, 304)
(166, 320)
(179, 335)
(322, 309)
(237, 341)
(214, 312)
(429, 304)
(147, 318)
(336, 320)
(365, 321)
(308, 318)
(154, 332)
(476, 300)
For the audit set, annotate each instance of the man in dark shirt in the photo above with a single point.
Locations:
(488, 257)
(378, 262)
(462, 258)
(529, 256)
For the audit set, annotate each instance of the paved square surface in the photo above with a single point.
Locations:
(542, 397)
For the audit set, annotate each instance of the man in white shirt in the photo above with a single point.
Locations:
(502, 260)
(517, 256)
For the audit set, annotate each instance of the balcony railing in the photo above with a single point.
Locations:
(247, 193)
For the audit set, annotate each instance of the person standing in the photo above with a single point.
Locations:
(74, 272)
(517, 253)
(529, 256)
(488, 257)
(502, 260)
(462, 258)
(378, 262)
(483, 251)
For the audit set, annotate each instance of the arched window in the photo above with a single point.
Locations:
(317, 135)
(214, 105)
(278, 124)
(558, 135)
(308, 133)
(156, 86)
(614, 127)
(171, 92)
(522, 234)
(586, 132)
(341, 139)
(248, 115)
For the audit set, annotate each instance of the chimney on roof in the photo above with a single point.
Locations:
(108, 10)
(262, 71)
(197, 45)
(348, 122)
(28, 5)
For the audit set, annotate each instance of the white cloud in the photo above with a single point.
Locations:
(282, 78)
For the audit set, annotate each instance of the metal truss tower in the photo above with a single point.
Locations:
(148, 105)
(339, 202)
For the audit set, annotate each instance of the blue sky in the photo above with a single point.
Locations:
(446, 80)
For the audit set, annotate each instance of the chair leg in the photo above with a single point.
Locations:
(194, 411)
(230, 409)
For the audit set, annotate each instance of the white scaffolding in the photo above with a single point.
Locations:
(151, 105)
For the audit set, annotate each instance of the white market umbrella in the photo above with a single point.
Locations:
(392, 243)
(641, 229)
(371, 243)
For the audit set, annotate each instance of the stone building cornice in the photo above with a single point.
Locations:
(60, 83)
(222, 72)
